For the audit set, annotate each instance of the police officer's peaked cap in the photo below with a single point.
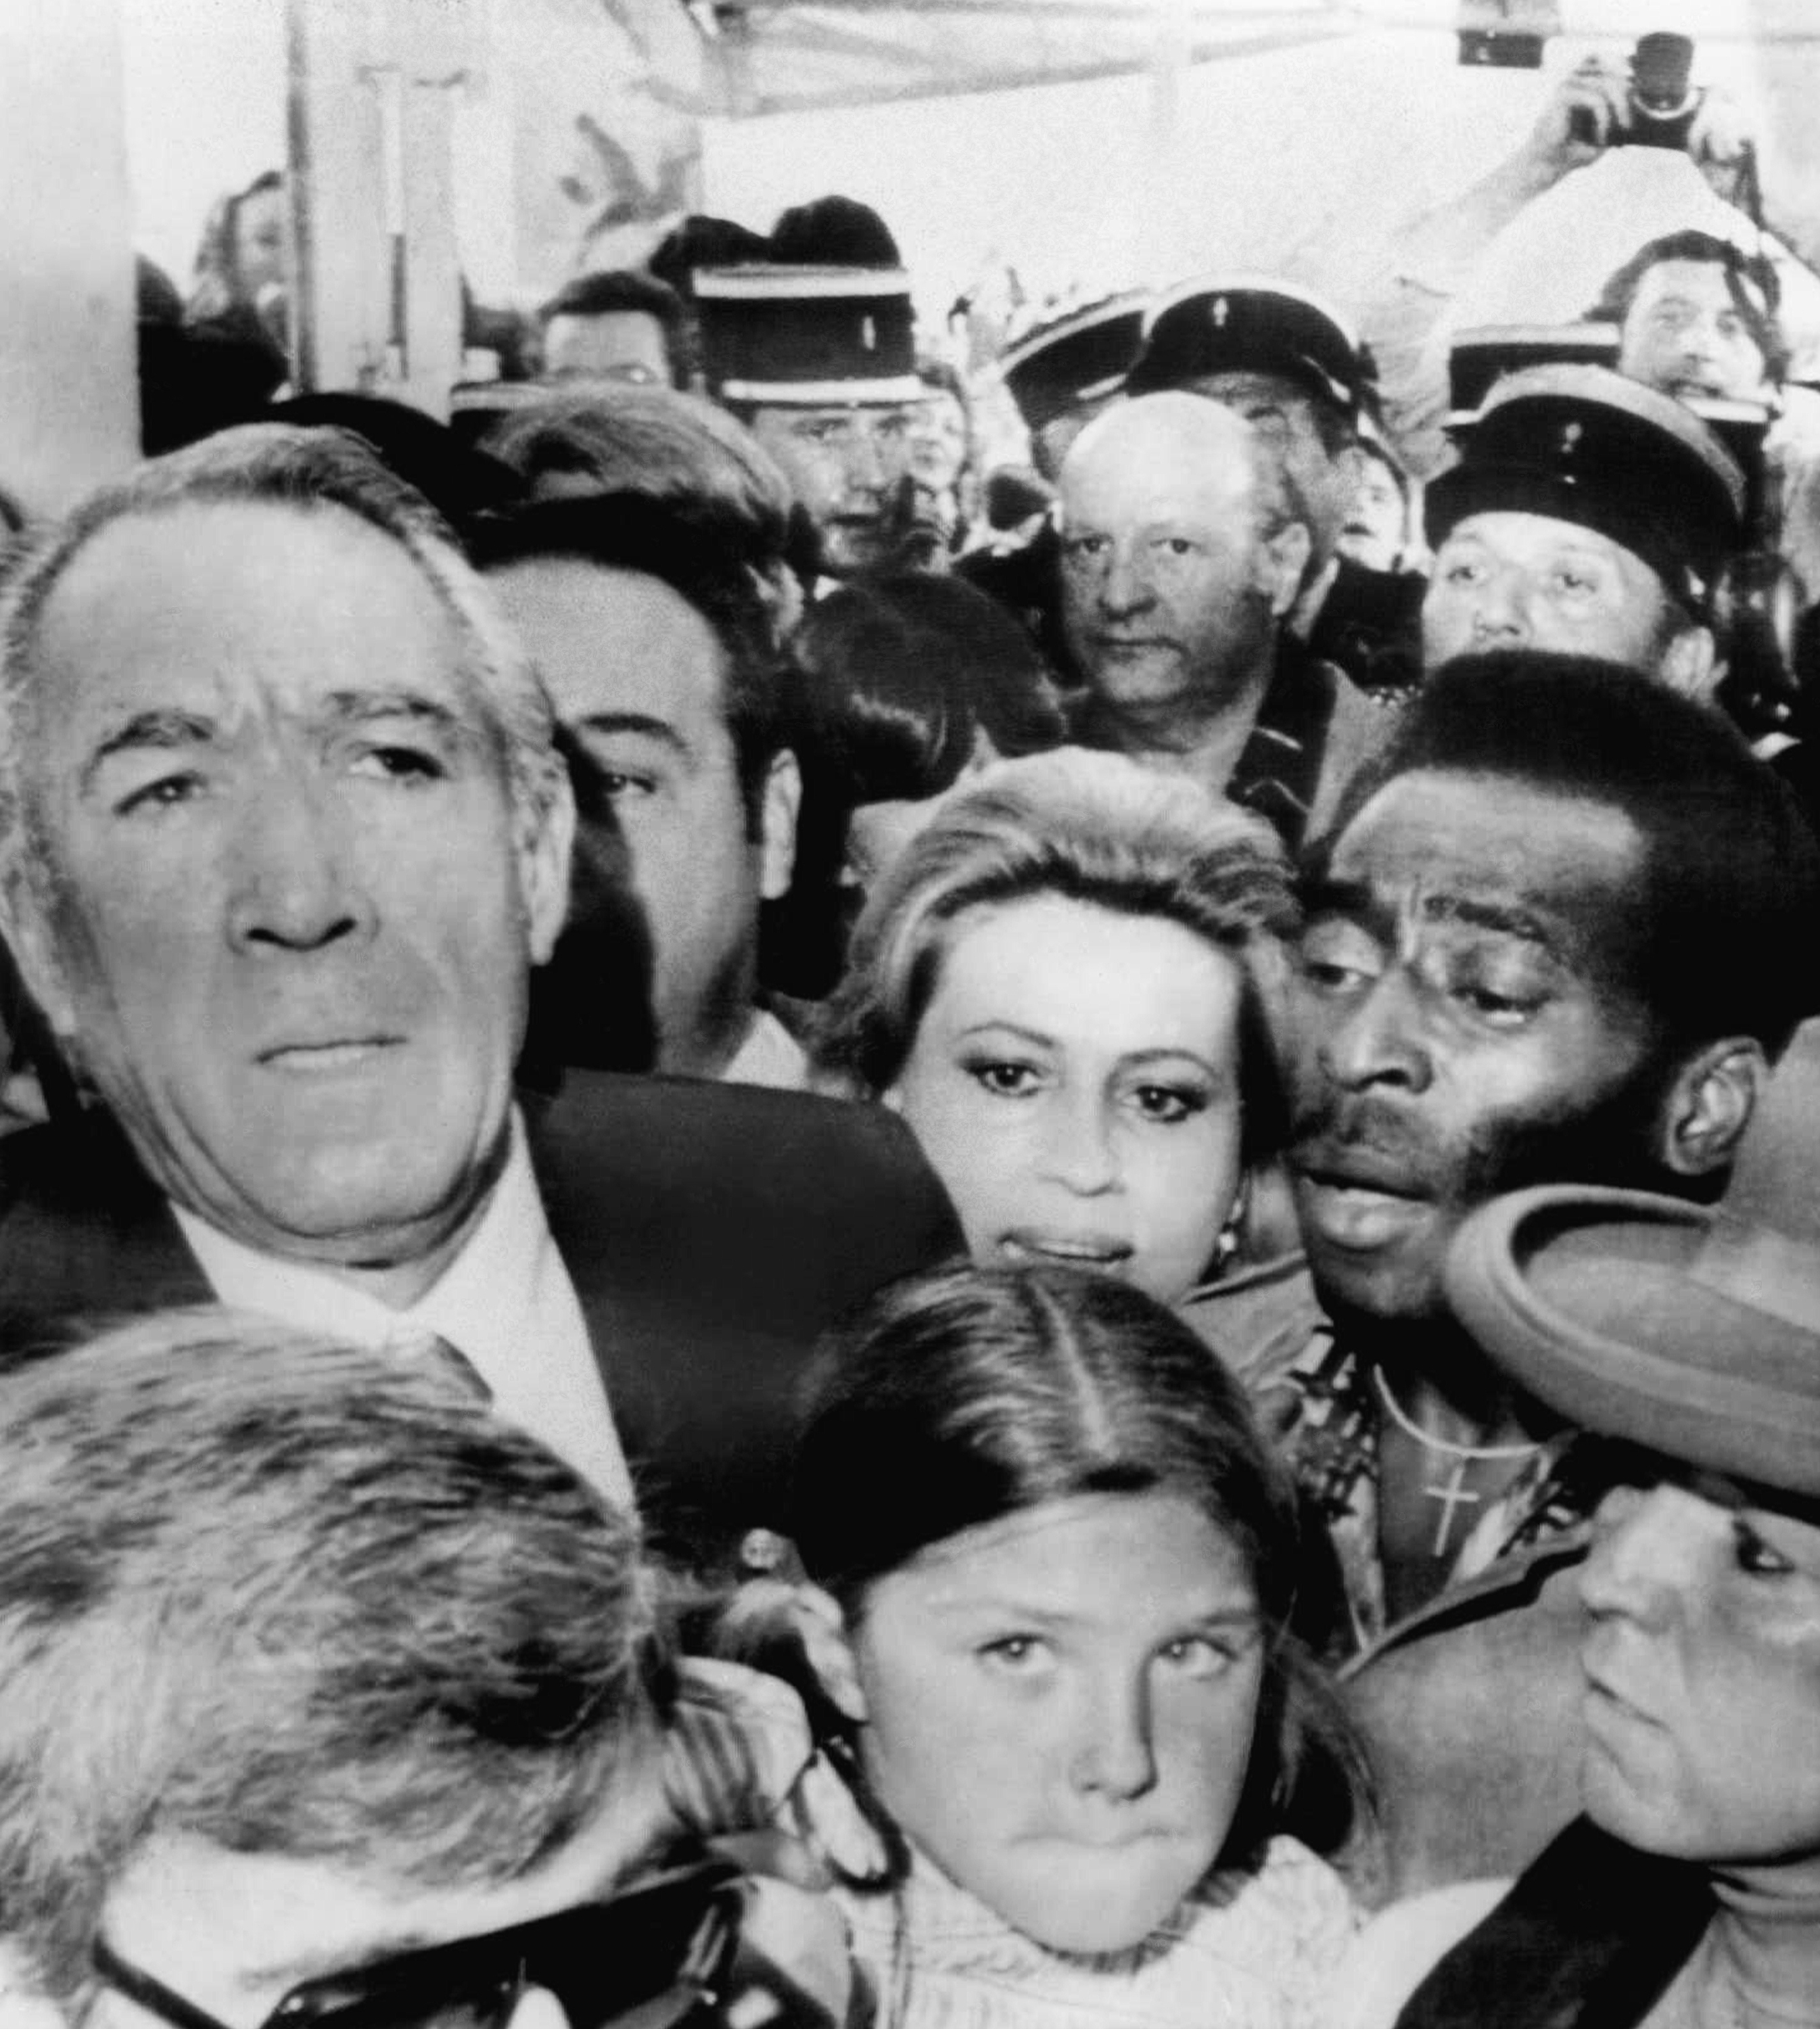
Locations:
(777, 335)
(1244, 323)
(1589, 445)
(1080, 358)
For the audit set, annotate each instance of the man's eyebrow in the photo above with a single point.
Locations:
(165, 727)
(1511, 919)
(642, 723)
(358, 708)
(288, 1973)
(1508, 919)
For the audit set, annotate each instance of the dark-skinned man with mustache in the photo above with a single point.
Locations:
(1557, 933)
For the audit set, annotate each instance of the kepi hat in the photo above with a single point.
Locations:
(1589, 445)
(1222, 324)
(1480, 357)
(1693, 1330)
(807, 336)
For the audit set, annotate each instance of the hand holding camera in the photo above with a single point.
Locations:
(1651, 102)
(1585, 115)
(1659, 103)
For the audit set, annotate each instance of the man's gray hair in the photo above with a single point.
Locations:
(265, 1589)
(283, 465)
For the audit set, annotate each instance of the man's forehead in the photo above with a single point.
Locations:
(605, 341)
(1141, 475)
(612, 640)
(198, 623)
(1252, 387)
(1523, 537)
(226, 594)
(1697, 281)
(226, 1923)
(1435, 835)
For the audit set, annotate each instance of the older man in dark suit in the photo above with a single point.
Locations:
(281, 833)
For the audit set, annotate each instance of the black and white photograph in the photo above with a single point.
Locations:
(910, 1014)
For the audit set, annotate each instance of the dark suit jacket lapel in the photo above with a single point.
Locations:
(89, 1238)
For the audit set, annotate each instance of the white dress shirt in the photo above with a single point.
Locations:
(504, 1303)
(770, 1055)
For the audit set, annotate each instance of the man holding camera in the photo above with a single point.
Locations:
(1604, 102)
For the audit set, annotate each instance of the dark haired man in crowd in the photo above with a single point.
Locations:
(1696, 317)
(617, 325)
(277, 864)
(655, 646)
(1288, 363)
(820, 364)
(1557, 934)
(392, 1744)
(1590, 515)
(1586, 115)
(1181, 552)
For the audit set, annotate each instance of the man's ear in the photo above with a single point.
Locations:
(34, 947)
(780, 798)
(825, 1642)
(1691, 664)
(1282, 559)
(1709, 1105)
(544, 864)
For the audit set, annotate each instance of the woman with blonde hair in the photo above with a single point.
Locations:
(1064, 985)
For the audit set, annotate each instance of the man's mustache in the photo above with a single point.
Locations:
(1345, 1130)
(1378, 1143)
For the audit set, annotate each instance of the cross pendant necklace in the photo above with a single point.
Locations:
(1454, 1494)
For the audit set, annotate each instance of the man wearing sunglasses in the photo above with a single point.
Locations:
(328, 1698)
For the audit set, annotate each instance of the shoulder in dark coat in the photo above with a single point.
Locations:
(713, 1231)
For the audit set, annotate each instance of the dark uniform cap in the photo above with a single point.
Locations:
(1080, 358)
(1585, 445)
(809, 336)
(1743, 428)
(1247, 324)
(1477, 360)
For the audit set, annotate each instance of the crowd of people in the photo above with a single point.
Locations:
(796, 1235)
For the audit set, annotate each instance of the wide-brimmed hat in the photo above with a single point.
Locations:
(1692, 1331)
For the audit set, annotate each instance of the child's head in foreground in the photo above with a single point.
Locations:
(1064, 1565)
